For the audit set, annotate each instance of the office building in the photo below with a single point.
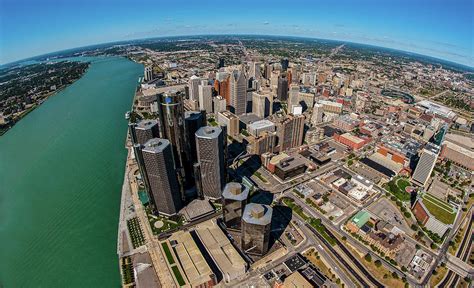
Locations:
(231, 121)
(211, 158)
(261, 104)
(293, 95)
(171, 113)
(234, 199)
(219, 104)
(264, 143)
(331, 107)
(205, 98)
(256, 228)
(290, 132)
(425, 165)
(194, 83)
(144, 131)
(290, 167)
(317, 116)
(238, 92)
(282, 88)
(351, 140)
(148, 75)
(160, 171)
(267, 71)
(258, 127)
(254, 70)
(284, 64)
(193, 121)
(460, 153)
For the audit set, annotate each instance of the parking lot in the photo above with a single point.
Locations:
(385, 210)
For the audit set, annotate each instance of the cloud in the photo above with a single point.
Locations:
(266, 23)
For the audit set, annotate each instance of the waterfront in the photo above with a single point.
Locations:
(61, 172)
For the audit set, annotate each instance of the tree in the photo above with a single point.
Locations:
(404, 269)
(368, 257)
(414, 227)
(344, 238)
(378, 263)
(407, 214)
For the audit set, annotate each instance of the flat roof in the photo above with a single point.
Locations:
(192, 261)
(352, 138)
(261, 124)
(228, 114)
(361, 218)
(258, 214)
(243, 191)
(296, 280)
(197, 209)
(209, 132)
(221, 250)
(146, 124)
(156, 145)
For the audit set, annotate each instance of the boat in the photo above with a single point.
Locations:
(127, 115)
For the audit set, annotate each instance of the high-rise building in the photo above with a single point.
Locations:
(282, 88)
(205, 98)
(254, 70)
(148, 75)
(284, 64)
(238, 92)
(158, 161)
(267, 72)
(211, 158)
(317, 116)
(262, 144)
(231, 121)
(256, 228)
(219, 104)
(293, 95)
(425, 165)
(194, 83)
(171, 112)
(193, 121)
(290, 132)
(261, 105)
(221, 63)
(234, 198)
(145, 130)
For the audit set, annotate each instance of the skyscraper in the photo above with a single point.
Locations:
(234, 198)
(317, 116)
(284, 64)
(205, 98)
(238, 92)
(282, 88)
(194, 83)
(171, 112)
(148, 75)
(146, 130)
(158, 161)
(219, 104)
(211, 158)
(425, 165)
(293, 95)
(261, 104)
(255, 70)
(290, 132)
(256, 228)
(193, 121)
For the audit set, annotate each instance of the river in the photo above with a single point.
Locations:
(61, 172)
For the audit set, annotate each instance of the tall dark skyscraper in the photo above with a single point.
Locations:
(171, 112)
(238, 92)
(256, 228)
(193, 121)
(164, 187)
(282, 88)
(284, 64)
(234, 199)
(211, 158)
(146, 130)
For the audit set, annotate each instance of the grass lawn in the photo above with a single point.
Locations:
(397, 188)
(435, 279)
(259, 176)
(378, 272)
(439, 202)
(178, 276)
(168, 253)
(439, 210)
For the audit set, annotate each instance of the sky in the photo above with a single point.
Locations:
(439, 28)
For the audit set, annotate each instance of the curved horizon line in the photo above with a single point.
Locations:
(235, 34)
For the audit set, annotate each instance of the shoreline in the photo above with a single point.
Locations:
(25, 112)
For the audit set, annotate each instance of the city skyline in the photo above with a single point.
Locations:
(49, 26)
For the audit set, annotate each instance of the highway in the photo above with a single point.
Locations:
(451, 278)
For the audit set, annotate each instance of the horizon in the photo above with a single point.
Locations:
(49, 26)
(126, 42)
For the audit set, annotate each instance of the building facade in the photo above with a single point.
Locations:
(234, 198)
(256, 228)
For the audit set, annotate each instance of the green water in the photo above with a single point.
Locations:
(61, 172)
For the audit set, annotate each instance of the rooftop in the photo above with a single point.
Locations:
(146, 124)
(258, 214)
(210, 132)
(197, 209)
(235, 191)
(155, 145)
(361, 218)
